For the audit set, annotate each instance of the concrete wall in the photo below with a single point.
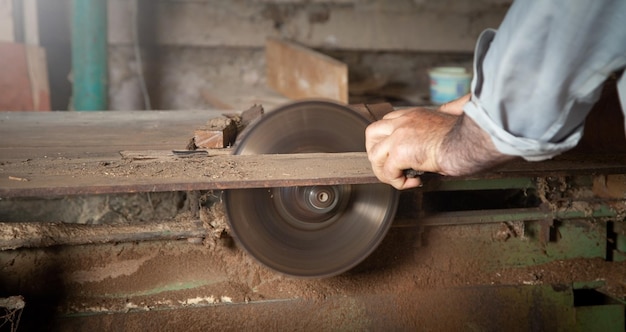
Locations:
(420, 25)
(194, 46)
(190, 46)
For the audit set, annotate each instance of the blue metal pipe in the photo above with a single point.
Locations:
(89, 55)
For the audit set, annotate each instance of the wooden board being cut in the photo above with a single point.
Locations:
(299, 73)
(72, 153)
(154, 171)
(64, 176)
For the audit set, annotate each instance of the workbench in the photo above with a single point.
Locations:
(69, 153)
(49, 154)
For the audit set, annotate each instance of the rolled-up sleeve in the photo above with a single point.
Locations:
(537, 77)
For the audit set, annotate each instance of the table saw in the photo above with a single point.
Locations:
(298, 191)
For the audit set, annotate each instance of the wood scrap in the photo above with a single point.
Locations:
(250, 115)
(222, 132)
(15, 178)
(246, 117)
(219, 133)
(298, 72)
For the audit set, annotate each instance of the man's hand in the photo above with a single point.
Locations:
(407, 139)
(443, 141)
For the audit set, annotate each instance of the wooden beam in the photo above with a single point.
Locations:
(38, 234)
(168, 171)
(28, 135)
(24, 80)
(7, 29)
(67, 153)
(44, 177)
(38, 77)
(298, 72)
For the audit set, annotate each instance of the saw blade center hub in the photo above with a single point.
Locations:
(311, 207)
(322, 198)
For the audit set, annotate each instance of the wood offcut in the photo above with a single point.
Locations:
(298, 72)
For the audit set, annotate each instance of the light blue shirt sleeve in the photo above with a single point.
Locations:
(537, 77)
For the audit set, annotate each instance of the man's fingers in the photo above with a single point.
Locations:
(405, 139)
(402, 182)
(411, 183)
(381, 129)
(376, 132)
(386, 170)
(390, 170)
(377, 156)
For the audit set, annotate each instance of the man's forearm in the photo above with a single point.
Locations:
(467, 149)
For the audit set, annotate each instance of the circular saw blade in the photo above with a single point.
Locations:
(312, 231)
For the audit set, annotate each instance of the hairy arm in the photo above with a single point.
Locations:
(443, 141)
(467, 149)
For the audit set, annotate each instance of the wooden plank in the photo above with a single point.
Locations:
(15, 89)
(104, 133)
(24, 80)
(39, 234)
(38, 77)
(26, 135)
(63, 153)
(64, 176)
(298, 72)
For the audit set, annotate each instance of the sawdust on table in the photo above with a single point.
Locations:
(118, 167)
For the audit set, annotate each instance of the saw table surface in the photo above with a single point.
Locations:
(66, 153)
